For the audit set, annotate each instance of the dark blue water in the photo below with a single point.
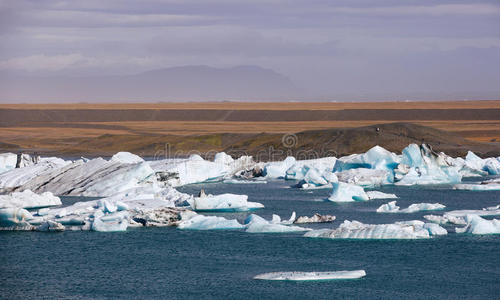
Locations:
(168, 263)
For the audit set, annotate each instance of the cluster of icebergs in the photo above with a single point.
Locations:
(133, 192)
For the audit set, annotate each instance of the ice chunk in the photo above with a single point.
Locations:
(345, 192)
(14, 216)
(376, 158)
(50, 226)
(316, 218)
(358, 230)
(110, 222)
(224, 202)
(306, 276)
(300, 168)
(380, 195)
(28, 199)
(195, 169)
(200, 222)
(478, 187)
(421, 165)
(278, 169)
(257, 224)
(366, 177)
(391, 207)
(126, 158)
(445, 219)
(478, 225)
(242, 181)
(490, 211)
(7, 161)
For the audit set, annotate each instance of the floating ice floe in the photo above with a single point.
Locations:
(278, 169)
(477, 225)
(28, 199)
(346, 192)
(257, 224)
(243, 181)
(488, 185)
(316, 218)
(14, 217)
(223, 203)
(391, 207)
(201, 222)
(398, 230)
(489, 211)
(380, 195)
(311, 276)
(366, 177)
(445, 219)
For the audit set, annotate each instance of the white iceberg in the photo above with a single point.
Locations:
(257, 224)
(316, 218)
(200, 222)
(14, 216)
(309, 276)
(391, 207)
(358, 230)
(195, 169)
(50, 226)
(7, 161)
(478, 225)
(224, 203)
(278, 169)
(376, 158)
(126, 158)
(443, 220)
(28, 199)
(477, 187)
(366, 177)
(110, 222)
(300, 168)
(421, 165)
(380, 195)
(346, 192)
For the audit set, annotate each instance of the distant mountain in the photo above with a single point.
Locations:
(170, 84)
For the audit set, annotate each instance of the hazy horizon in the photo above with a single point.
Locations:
(63, 51)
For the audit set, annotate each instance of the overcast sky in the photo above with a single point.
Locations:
(400, 49)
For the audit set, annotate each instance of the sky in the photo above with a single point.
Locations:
(333, 50)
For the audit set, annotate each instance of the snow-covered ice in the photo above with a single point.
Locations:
(380, 195)
(310, 276)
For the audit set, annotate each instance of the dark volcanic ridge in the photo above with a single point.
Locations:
(272, 146)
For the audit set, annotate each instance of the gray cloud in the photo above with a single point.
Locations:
(329, 48)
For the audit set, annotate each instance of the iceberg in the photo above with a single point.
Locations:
(224, 203)
(200, 222)
(50, 226)
(346, 192)
(366, 177)
(358, 230)
(376, 158)
(7, 161)
(300, 168)
(478, 225)
(278, 169)
(306, 276)
(380, 195)
(257, 224)
(110, 222)
(126, 158)
(391, 207)
(14, 217)
(316, 218)
(421, 165)
(28, 199)
(478, 187)
(442, 220)
(195, 169)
